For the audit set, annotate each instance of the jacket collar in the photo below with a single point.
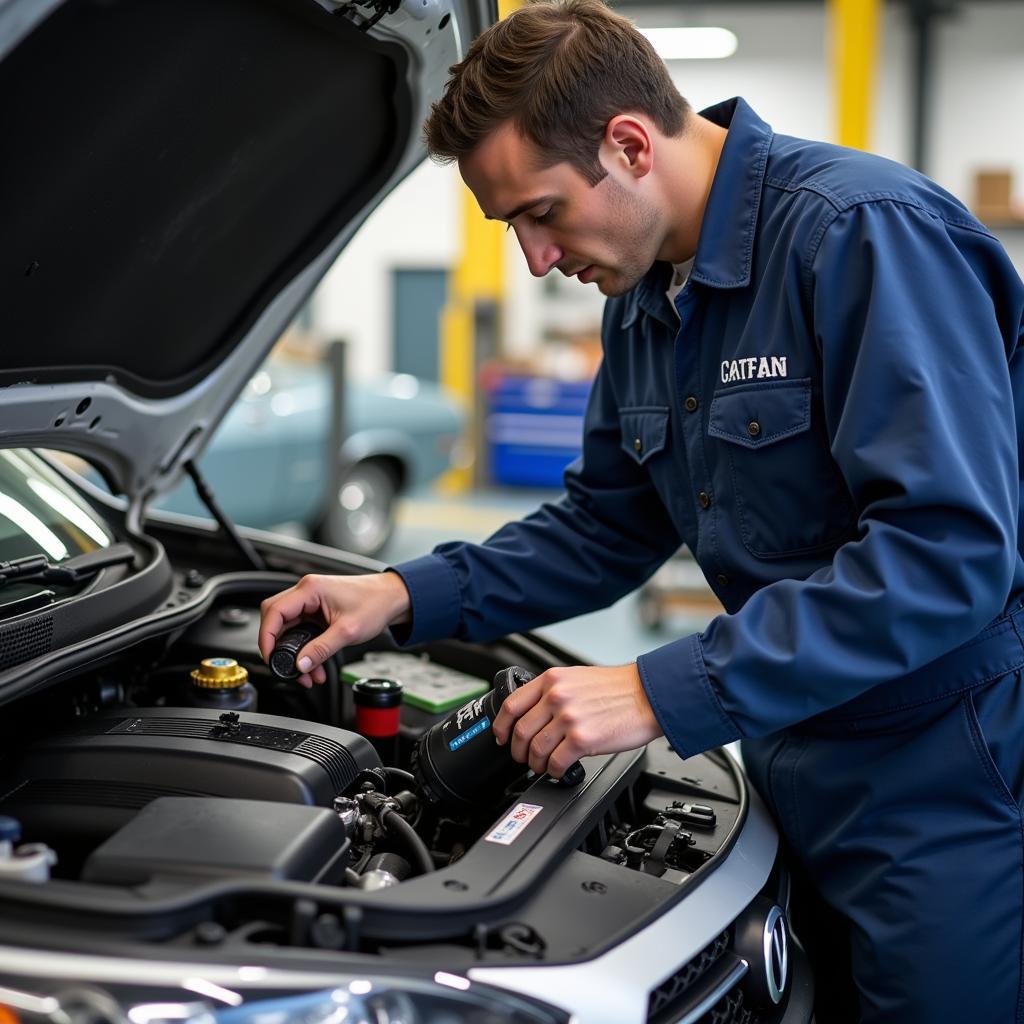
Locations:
(725, 249)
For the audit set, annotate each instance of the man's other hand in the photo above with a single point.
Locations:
(567, 713)
(353, 609)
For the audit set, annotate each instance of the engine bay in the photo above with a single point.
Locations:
(262, 809)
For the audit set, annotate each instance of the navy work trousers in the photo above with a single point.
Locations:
(905, 813)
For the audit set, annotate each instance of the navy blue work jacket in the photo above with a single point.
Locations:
(830, 419)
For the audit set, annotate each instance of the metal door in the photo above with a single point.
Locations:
(418, 297)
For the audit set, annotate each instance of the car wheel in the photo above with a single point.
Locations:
(361, 516)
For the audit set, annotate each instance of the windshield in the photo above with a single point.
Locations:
(41, 514)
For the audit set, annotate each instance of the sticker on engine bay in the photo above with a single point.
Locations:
(511, 826)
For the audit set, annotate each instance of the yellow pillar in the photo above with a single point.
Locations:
(854, 28)
(478, 276)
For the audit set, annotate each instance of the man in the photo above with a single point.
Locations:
(828, 413)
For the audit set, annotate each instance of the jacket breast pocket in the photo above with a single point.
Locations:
(644, 430)
(789, 496)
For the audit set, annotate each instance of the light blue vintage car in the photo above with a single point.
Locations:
(271, 463)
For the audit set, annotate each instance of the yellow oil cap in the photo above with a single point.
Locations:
(219, 674)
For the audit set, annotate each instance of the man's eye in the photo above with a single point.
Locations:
(543, 218)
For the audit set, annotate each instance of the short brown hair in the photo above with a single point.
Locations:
(559, 70)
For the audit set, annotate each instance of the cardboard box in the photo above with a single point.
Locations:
(993, 197)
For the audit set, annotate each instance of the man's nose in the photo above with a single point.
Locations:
(541, 253)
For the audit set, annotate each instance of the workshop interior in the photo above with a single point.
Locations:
(253, 333)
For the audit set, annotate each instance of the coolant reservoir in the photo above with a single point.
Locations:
(221, 683)
(28, 863)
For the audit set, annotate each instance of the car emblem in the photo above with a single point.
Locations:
(776, 953)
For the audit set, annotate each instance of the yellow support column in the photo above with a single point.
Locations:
(478, 277)
(854, 30)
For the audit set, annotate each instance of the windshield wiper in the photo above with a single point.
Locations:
(74, 570)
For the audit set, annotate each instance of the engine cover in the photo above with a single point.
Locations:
(86, 782)
(198, 838)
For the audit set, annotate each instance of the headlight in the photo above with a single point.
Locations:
(388, 1001)
(253, 995)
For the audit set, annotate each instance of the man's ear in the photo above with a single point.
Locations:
(628, 141)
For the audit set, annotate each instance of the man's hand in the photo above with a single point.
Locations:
(567, 713)
(355, 608)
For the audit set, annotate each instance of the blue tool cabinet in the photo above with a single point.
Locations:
(534, 428)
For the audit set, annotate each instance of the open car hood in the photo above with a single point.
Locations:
(177, 176)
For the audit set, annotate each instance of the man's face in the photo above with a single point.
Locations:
(606, 233)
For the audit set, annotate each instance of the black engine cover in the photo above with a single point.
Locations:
(88, 781)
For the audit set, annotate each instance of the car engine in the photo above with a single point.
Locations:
(188, 764)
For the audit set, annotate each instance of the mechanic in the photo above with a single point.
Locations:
(812, 378)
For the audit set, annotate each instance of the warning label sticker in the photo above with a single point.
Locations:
(510, 828)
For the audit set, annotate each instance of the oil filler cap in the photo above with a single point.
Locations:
(219, 674)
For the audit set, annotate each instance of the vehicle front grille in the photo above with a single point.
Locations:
(705, 990)
(730, 1010)
(670, 991)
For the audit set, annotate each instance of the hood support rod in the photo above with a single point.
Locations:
(251, 555)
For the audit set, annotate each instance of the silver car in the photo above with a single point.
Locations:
(185, 835)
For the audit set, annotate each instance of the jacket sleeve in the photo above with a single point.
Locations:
(915, 320)
(604, 537)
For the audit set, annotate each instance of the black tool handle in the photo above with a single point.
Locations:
(512, 678)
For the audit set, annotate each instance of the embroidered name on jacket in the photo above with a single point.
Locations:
(753, 368)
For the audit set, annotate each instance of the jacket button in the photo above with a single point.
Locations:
(753, 428)
(638, 445)
(722, 579)
(705, 499)
(691, 404)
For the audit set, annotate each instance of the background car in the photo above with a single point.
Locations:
(279, 458)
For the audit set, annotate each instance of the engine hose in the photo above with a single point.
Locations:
(401, 776)
(401, 829)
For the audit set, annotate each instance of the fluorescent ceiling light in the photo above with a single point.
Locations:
(691, 43)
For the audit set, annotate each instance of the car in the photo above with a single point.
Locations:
(273, 460)
(185, 834)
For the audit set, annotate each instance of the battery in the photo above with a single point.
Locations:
(426, 685)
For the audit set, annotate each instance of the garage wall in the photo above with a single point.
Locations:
(416, 227)
(782, 69)
(978, 111)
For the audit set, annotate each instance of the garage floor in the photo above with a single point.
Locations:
(613, 636)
